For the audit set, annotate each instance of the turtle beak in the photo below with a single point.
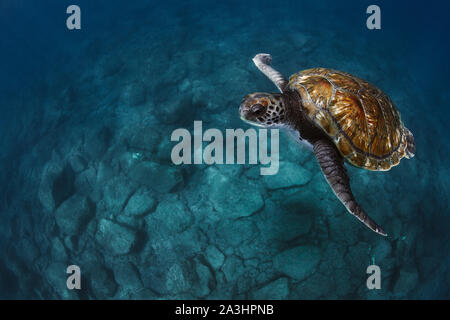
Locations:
(242, 112)
(242, 115)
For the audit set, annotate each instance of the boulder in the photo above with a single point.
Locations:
(407, 280)
(289, 175)
(140, 203)
(86, 184)
(214, 257)
(358, 257)
(97, 142)
(232, 233)
(58, 251)
(135, 94)
(275, 290)
(178, 278)
(73, 215)
(232, 268)
(78, 163)
(144, 140)
(382, 250)
(127, 276)
(27, 249)
(114, 238)
(102, 282)
(233, 197)
(116, 193)
(205, 280)
(171, 217)
(57, 184)
(158, 177)
(299, 262)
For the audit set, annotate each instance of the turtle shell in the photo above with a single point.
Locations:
(360, 119)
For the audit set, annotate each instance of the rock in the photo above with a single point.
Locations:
(136, 94)
(205, 280)
(357, 258)
(232, 233)
(189, 243)
(58, 251)
(253, 173)
(116, 239)
(158, 177)
(116, 193)
(313, 288)
(110, 65)
(289, 175)
(232, 268)
(77, 163)
(275, 290)
(105, 173)
(290, 222)
(140, 203)
(144, 140)
(342, 226)
(164, 153)
(343, 282)
(178, 279)
(71, 243)
(27, 250)
(142, 294)
(73, 214)
(231, 196)
(130, 221)
(319, 186)
(172, 110)
(332, 255)
(381, 250)
(298, 263)
(407, 280)
(127, 276)
(86, 183)
(214, 257)
(10, 280)
(97, 142)
(171, 217)
(57, 184)
(102, 282)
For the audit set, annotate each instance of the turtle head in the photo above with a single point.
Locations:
(263, 109)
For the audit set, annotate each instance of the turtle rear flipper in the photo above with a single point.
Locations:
(332, 165)
(410, 145)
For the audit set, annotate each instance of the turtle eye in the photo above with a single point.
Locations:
(258, 110)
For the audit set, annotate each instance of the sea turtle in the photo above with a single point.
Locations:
(339, 117)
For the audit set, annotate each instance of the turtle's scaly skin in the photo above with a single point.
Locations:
(360, 119)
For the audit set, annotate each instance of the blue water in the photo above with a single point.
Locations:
(86, 179)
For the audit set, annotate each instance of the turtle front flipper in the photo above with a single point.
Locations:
(262, 61)
(332, 165)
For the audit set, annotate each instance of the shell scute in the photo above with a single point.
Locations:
(344, 146)
(348, 112)
(327, 123)
(346, 81)
(357, 159)
(320, 90)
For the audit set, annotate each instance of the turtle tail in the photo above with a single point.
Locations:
(410, 145)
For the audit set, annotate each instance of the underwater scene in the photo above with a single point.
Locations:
(88, 120)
